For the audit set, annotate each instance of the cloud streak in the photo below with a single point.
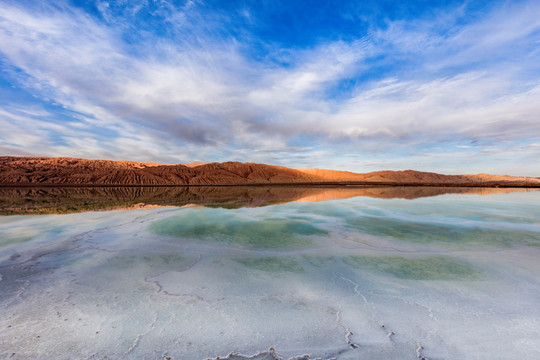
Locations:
(197, 92)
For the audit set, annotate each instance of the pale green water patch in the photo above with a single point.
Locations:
(9, 239)
(426, 268)
(169, 261)
(272, 264)
(226, 226)
(10, 235)
(462, 234)
(320, 261)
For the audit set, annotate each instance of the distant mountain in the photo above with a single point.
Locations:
(412, 176)
(70, 171)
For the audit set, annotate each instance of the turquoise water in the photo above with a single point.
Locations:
(443, 277)
(235, 228)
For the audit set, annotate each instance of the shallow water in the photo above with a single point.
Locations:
(445, 277)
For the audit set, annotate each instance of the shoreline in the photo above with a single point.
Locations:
(298, 184)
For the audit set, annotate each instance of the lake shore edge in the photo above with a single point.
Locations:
(292, 184)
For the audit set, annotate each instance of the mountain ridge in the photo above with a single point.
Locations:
(66, 171)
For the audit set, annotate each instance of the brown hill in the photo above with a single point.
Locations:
(70, 171)
(416, 177)
(17, 171)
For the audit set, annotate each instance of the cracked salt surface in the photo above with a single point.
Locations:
(193, 283)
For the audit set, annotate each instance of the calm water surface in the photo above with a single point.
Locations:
(451, 276)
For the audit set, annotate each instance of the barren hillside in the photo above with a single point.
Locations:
(70, 171)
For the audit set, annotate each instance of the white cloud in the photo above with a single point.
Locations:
(205, 98)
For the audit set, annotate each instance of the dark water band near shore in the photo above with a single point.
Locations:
(63, 200)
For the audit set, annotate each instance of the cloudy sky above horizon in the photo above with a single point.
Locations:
(445, 86)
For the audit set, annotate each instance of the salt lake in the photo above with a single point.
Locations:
(336, 274)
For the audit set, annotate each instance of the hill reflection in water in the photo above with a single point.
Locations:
(62, 200)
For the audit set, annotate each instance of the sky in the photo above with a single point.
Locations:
(444, 86)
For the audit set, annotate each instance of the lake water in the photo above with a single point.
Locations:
(315, 273)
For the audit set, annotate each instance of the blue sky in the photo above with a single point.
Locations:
(445, 86)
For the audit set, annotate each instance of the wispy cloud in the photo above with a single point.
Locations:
(197, 93)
